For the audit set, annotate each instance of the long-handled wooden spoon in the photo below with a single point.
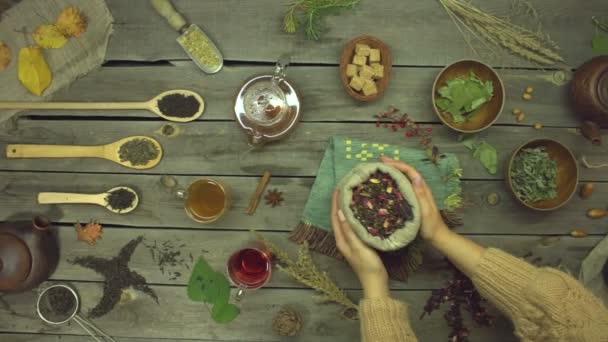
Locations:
(109, 152)
(151, 105)
(99, 199)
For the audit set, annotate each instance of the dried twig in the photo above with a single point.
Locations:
(257, 195)
(592, 166)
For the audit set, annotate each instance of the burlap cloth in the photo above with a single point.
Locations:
(591, 270)
(76, 58)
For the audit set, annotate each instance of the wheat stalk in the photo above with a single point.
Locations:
(536, 47)
(304, 271)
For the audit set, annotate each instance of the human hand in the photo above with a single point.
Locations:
(365, 261)
(432, 223)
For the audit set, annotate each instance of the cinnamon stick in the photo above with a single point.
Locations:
(257, 195)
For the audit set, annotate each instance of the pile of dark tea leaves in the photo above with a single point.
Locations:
(460, 293)
(169, 258)
(120, 199)
(117, 277)
(138, 151)
(179, 105)
(379, 205)
(61, 304)
(534, 175)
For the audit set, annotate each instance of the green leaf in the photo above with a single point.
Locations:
(600, 44)
(487, 155)
(468, 140)
(198, 283)
(463, 95)
(224, 312)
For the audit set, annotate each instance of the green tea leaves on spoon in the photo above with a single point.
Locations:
(464, 95)
(534, 175)
(209, 286)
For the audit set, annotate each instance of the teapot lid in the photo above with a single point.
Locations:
(15, 261)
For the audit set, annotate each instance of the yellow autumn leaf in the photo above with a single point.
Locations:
(71, 23)
(5, 56)
(34, 73)
(49, 37)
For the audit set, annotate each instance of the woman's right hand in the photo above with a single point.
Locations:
(432, 222)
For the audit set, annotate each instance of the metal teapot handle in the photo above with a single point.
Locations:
(280, 71)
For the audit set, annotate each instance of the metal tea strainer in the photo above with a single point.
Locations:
(60, 313)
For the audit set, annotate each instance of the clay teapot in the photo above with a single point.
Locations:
(589, 91)
(28, 254)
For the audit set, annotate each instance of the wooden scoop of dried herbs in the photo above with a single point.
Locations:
(462, 96)
(138, 151)
(120, 199)
(379, 205)
(534, 175)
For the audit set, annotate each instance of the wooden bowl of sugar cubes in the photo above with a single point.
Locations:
(365, 68)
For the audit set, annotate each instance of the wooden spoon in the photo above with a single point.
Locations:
(109, 152)
(151, 105)
(99, 199)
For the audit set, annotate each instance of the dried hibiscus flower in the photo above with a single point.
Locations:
(88, 233)
(71, 22)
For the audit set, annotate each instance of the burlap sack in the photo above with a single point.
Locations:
(400, 237)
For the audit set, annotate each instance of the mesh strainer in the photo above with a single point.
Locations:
(58, 304)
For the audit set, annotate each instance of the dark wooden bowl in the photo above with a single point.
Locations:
(385, 59)
(488, 113)
(567, 173)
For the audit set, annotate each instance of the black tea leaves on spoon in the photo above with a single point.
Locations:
(179, 105)
(120, 199)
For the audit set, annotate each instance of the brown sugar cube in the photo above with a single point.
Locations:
(359, 60)
(366, 72)
(370, 88)
(374, 55)
(362, 49)
(357, 83)
(378, 70)
(351, 70)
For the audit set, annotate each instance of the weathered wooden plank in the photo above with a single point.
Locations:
(216, 248)
(221, 147)
(418, 32)
(8, 337)
(177, 317)
(323, 96)
(158, 208)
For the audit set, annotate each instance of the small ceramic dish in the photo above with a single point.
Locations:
(485, 115)
(385, 59)
(567, 173)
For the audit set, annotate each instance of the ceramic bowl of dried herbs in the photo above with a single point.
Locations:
(380, 205)
(542, 174)
(468, 96)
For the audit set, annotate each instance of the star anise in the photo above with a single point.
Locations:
(274, 197)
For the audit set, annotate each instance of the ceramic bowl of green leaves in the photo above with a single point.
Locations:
(468, 96)
(542, 174)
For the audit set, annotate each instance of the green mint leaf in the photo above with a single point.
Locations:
(488, 156)
(198, 283)
(468, 140)
(461, 96)
(600, 44)
(534, 175)
(224, 312)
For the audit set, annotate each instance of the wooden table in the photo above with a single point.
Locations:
(144, 60)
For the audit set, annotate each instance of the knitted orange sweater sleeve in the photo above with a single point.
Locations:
(543, 303)
(385, 320)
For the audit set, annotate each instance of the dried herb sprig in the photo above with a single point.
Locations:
(470, 20)
(534, 175)
(460, 293)
(311, 11)
(395, 121)
(304, 271)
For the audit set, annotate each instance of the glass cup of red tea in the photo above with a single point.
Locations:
(249, 268)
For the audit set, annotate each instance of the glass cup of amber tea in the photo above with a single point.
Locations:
(205, 200)
(249, 268)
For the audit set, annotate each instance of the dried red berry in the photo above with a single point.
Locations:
(394, 128)
(409, 134)
(429, 129)
(377, 123)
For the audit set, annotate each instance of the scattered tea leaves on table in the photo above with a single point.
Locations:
(169, 258)
(71, 22)
(89, 233)
(34, 72)
(311, 12)
(486, 153)
(464, 95)
(5, 56)
(534, 175)
(209, 286)
(49, 37)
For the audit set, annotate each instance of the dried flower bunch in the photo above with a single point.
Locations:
(304, 271)
(379, 205)
(469, 19)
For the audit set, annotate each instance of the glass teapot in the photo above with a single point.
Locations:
(29, 253)
(267, 107)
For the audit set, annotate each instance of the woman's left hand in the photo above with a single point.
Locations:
(365, 261)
